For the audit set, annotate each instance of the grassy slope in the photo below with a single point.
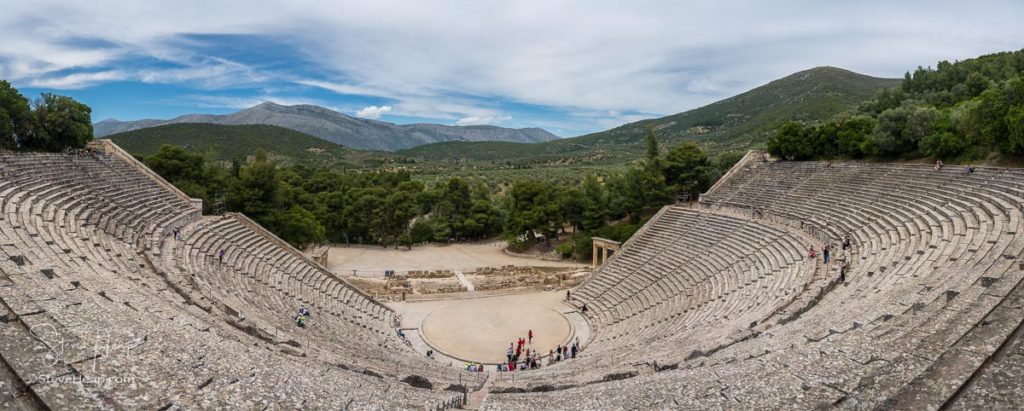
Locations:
(738, 122)
(239, 142)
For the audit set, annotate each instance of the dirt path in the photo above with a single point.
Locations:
(373, 260)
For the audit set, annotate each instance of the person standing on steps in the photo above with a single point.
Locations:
(530, 335)
(824, 253)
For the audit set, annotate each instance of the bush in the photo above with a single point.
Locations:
(517, 246)
(422, 231)
(565, 249)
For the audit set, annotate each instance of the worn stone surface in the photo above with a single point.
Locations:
(718, 306)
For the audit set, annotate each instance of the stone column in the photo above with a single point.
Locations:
(594, 263)
(604, 257)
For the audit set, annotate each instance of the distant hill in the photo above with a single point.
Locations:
(738, 122)
(342, 129)
(239, 142)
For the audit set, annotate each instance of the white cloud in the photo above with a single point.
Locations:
(482, 121)
(372, 112)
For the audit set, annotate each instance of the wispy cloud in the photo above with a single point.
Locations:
(482, 121)
(78, 80)
(584, 64)
(235, 102)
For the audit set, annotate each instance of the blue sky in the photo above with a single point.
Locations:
(571, 67)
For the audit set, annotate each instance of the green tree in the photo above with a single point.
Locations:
(1015, 126)
(15, 116)
(532, 206)
(595, 204)
(60, 122)
(422, 231)
(454, 206)
(637, 190)
(393, 218)
(299, 227)
(854, 136)
(651, 143)
(687, 170)
(790, 142)
(175, 164)
(256, 192)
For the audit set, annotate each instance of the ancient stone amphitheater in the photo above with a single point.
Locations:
(712, 306)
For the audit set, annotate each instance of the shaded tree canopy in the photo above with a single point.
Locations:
(50, 123)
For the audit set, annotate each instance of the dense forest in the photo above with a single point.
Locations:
(307, 205)
(968, 110)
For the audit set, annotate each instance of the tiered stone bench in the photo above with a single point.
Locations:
(91, 318)
(930, 315)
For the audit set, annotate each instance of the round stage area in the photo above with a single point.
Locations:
(480, 330)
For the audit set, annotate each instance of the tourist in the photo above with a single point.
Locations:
(811, 253)
(530, 334)
(509, 354)
(300, 321)
(824, 253)
(304, 312)
(842, 272)
(568, 294)
(221, 255)
(938, 165)
(574, 348)
(584, 308)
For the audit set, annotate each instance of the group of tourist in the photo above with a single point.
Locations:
(302, 317)
(828, 250)
(83, 152)
(565, 352)
(968, 169)
(518, 356)
(474, 367)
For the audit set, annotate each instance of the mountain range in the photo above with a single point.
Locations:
(736, 123)
(339, 128)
